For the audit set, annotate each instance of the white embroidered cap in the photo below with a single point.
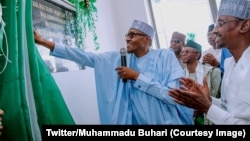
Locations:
(144, 27)
(236, 8)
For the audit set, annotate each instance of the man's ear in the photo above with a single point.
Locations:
(149, 41)
(198, 56)
(245, 26)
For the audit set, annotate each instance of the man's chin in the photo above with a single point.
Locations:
(129, 49)
(219, 46)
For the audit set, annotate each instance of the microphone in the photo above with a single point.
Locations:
(123, 53)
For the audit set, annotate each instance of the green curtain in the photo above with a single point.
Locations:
(29, 95)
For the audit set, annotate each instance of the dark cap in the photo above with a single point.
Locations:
(193, 44)
(178, 36)
(210, 27)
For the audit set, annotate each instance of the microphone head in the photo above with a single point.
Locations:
(123, 51)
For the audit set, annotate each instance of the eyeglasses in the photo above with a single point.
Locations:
(188, 51)
(132, 35)
(221, 23)
(175, 41)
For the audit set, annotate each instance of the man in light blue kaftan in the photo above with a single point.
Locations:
(150, 73)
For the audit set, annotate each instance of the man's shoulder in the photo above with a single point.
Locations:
(163, 51)
(211, 69)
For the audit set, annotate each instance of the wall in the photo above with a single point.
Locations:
(78, 87)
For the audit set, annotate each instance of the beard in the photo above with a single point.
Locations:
(219, 43)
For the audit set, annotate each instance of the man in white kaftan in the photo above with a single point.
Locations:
(232, 30)
(235, 89)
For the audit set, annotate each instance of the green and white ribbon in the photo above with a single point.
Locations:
(3, 34)
(86, 17)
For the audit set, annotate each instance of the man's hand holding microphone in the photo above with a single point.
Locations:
(124, 72)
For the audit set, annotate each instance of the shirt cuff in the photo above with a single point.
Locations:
(142, 82)
(216, 114)
(58, 51)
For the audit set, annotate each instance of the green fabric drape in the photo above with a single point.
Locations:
(22, 83)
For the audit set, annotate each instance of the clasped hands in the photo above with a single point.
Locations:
(192, 94)
(210, 59)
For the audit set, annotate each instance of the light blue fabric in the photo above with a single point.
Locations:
(144, 101)
(225, 53)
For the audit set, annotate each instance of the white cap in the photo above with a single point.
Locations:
(236, 8)
(143, 27)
